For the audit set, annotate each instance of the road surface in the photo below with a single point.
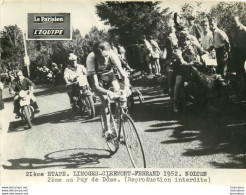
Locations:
(60, 139)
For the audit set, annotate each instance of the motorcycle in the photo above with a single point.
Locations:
(204, 87)
(26, 109)
(84, 100)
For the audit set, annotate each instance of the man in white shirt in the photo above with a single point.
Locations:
(207, 36)
(73, 71)
(222, 48)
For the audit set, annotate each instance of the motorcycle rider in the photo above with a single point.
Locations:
(100, 64)
(187, 54)
(22, 83)
(71, 73)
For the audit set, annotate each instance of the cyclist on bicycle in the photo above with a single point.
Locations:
(100, 64)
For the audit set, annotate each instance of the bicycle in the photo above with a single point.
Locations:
(124, 128)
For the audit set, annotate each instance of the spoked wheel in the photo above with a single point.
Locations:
(133, 143)
(88, 106)
(113, 144)
(27, 112)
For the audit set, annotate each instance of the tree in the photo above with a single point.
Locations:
(12, 47)
(131, 19)
(225, 11)
(92, 37)
(45, 52)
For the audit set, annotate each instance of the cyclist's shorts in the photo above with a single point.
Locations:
(106, 79)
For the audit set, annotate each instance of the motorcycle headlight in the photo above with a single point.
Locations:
(22, 93)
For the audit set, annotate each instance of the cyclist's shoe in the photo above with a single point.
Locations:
(109, 135)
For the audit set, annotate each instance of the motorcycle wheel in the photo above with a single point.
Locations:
(90, 106)
(27, 115)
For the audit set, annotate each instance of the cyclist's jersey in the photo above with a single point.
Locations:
(105, 73)
(93, 68)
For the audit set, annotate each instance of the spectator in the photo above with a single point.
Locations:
(222, 48)
(194, 29)
(122, 57)
(156, 56)
(238, 44)
(147, 53)
(140, 53)
(170, 42)
(206, 36)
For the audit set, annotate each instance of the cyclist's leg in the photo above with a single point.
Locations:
(105, 113)
(177, 88)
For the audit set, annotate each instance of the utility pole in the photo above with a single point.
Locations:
(26, 58)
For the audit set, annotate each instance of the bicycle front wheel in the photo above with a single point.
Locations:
(133, 142)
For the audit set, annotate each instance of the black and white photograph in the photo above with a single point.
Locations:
(121, 85)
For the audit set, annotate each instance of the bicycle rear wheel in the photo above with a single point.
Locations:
(113, 144)
(133, 142)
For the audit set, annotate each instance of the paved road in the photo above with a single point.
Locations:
(58, 139)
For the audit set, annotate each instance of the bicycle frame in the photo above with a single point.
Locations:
(120, 111)
(122, 131)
